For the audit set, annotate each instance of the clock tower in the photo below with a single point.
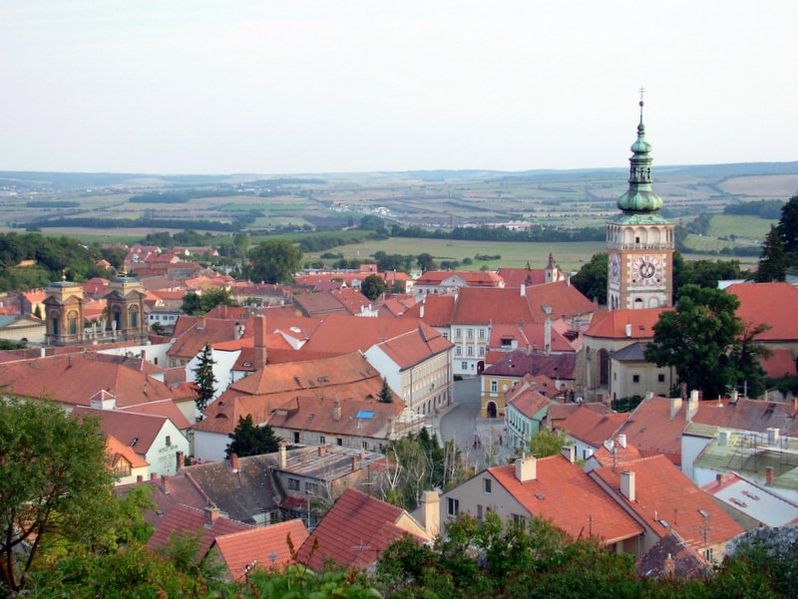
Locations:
(640, 242)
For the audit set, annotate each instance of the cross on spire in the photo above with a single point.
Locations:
(642, 94)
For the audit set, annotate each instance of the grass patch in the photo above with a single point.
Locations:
(741, 226)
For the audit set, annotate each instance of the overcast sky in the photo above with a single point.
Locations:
(196, 86)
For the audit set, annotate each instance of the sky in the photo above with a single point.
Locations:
(300, 86)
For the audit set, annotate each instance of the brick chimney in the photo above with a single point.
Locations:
(526, 468)
(769, 476)
(628, 485)
(234, 463)
(179, 461)
(431, 512)
(260, 342)
(211, 514)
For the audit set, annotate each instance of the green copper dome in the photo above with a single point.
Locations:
(640, 196)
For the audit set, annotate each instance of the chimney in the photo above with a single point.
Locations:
(260, 342)
(283, 459)
(234, 463)
(211, 514)
(692, 405)
(237, 331)
(621, 438)
(676, 405)
(523, 290)
(421, 312)
(547, 330)
(723, 438)
(179, 461)
(322, 451)
(669, 567)
(649, 394)
(569, 453)
(355, 463)
(773, 436)
(526, 468)
(337, 410)
(769, 476)
(143, 359)
(628, 329)
(153, 476)
(719, 479)
(734, 397)
(628, 485)
(431, 512)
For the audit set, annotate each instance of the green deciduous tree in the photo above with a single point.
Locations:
(195, 304)
(546, 443)
(788, 227)
(274, 261)
(425, 262)
(204, 379)
(248, 439)
(54, 484)
(373, 286)
(774, 260)
(591, 279)
(697, 338)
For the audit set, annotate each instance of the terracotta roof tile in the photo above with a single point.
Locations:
(115, 449)
(438, 310)
(353, 534)
(664, 493)
(265, 547)
(569, 499)
(184, 520)
(590, 427)
(414, 346)
(473, 278)
(774, 304)
(651, 428)
(612, 324)
(518, 363)
(515, 277)
(341, 333)
(135, 430)
(780, 363)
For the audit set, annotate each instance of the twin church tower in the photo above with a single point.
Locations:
(640, 241)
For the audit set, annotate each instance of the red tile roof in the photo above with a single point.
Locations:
(565, 300)
(618, 456)
(664, 493)
(588, 426)
(472, 278)
(414, 346)
(438, 310)
(483, 306)
(780, 363)
(353, 534)
(184, 520)
(749, 415)
(528, 335)
(341, 333)
(116, 450)
(518, 363)
(612, 324)
(526, 399)
(265, 547)
(774, 304)
(515, 277)
(570, 500)
(652, 430)
(135, 430)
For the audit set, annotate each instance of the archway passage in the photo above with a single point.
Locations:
(492, 412)
(480, 366)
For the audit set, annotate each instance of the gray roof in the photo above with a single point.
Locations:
(636, 352)
(6, 320)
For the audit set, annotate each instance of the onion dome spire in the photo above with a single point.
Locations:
(640, 196)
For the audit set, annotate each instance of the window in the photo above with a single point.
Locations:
(322, 440)
(457, 333)
(708, 554)
(479, 512)
(312, 488)
(365, 445)
(470, 333)
(482, 351)
(458, 351)
(494, 386)
(296, 437)
(293, 484)
(469, 350)
(481, 333)
(486, 485)
(446, 334)
(635, 378)
(453, 506)
(517, 518)
(168, 441)
(339, 441)
(464, 365)
(661, 378)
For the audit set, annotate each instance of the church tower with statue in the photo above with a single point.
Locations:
(640, 241)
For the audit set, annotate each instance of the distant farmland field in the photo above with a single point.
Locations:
(768, 186)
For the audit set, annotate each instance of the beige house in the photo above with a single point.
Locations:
(631, 374)
(22, 328)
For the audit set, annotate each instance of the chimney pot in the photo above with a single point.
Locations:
(234, 466)
(211, 515)
(628, 329)
(676, 405)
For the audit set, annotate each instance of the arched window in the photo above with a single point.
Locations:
(72, 323)
(134, 317)
(55, 323)
(604, 367)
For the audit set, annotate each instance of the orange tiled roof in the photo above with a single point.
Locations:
(500, 305)
(184, 520)
(116, 450)
(353, 534)
(515, 277)
(412, 347)
(136, 430)
(652, 431)
(565, 300)
(471, 277)
(591, 427)
(780, 363)
(341, 333)
(570, 500)
(530, 335)
(612, 324)
(265, 547)
(664, 493)
(526, 399)
(774, 304)
(619, 455)
(438, 310)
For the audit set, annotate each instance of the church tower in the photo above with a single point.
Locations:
(63, 313)
(640, 242)
(125, 302)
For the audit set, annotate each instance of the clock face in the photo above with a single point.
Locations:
(615, 268)
(647, 270)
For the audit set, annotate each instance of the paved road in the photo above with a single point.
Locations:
(461, 424)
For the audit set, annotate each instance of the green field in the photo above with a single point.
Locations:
(747, 227)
